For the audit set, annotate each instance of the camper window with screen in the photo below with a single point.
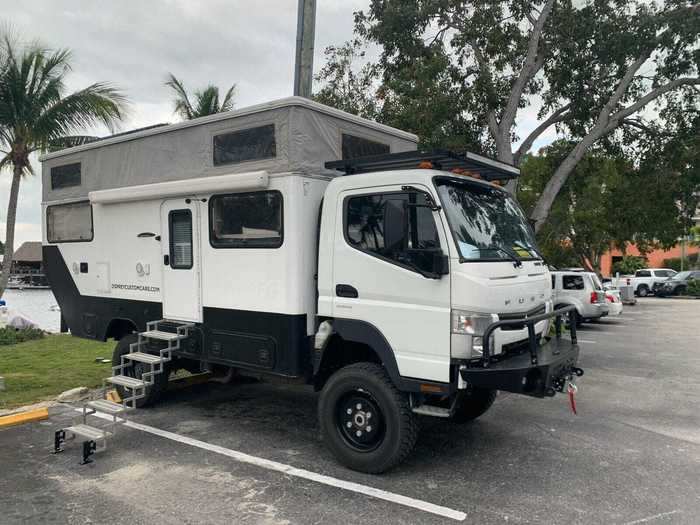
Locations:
(247, 144)
(246, 220)
(181, 239)
(393, 226)
(69, 222)
(354, 147)
(65, 176)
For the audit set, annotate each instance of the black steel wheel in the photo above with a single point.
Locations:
(365, 421)
(360, 421)
(136, 370)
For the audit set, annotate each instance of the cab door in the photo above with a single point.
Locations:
(182, 296)
(384, 243)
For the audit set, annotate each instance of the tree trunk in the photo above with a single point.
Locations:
(551, 190)
(10, 228)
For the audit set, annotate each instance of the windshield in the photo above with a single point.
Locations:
(486, 222)
(681, 276)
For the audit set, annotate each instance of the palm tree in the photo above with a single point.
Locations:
(36, 115)
(206, 100)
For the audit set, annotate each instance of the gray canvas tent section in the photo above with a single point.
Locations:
(307, 135)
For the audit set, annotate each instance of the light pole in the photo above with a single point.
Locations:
(304, 63)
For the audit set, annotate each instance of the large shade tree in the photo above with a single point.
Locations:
(36, 115)
(590, 68)
(205, 101)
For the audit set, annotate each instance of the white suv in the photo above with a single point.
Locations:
(581, 289)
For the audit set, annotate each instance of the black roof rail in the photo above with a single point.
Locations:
(487, 168)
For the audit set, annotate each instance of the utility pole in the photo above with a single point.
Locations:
(304, 65)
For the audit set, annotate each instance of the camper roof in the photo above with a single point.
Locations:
(157, 129)
(292, 135)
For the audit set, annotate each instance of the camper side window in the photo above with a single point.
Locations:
(69, 222)
(246, 220)
(354, 147)
(246, 144)
(65, 176)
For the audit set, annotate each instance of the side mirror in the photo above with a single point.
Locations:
(441, 264)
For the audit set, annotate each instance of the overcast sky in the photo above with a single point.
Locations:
(134, 44)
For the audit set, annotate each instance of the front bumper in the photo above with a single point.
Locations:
(540, 370)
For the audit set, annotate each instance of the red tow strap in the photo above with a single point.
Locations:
(571, 390)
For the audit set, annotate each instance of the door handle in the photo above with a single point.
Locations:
(166, 259)
(345, 290)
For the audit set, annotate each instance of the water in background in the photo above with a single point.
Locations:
(36, 305)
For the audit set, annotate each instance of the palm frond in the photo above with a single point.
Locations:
(70, 141)
(182, 104)
(99, 103)
(227, 104)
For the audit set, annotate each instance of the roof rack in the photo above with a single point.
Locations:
(439, 159)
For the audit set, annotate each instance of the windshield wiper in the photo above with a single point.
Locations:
(511, 254)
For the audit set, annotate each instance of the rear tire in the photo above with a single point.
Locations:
(160, 381)
(643, 290)
(365, 421)
(473, 404)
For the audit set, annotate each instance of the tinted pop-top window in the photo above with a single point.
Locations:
(246, 220)
(247, 144)
(354, 147)
(65, 176)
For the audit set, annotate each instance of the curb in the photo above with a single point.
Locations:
(29, 416)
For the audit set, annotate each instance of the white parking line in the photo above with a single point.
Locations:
(654, 517)
(586, 341)
(297, 472)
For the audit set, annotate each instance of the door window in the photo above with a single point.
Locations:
(643, 273)
(397, 227)
(180, 239)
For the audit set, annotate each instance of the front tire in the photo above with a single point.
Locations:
(473, 404)
(160, 381)
(365, 421)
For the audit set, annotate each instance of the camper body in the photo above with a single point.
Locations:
(394, 292)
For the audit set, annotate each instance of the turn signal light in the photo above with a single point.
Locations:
(425, 165)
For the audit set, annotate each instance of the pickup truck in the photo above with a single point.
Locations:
(644, 280)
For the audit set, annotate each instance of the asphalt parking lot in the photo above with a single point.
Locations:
(250, 453)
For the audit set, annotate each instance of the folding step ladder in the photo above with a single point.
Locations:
(97, 436)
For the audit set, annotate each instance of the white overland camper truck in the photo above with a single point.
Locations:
(294, 240)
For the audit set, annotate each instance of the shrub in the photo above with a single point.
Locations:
(691, 261)
(693, 288)
(11, 336)
(629, 264)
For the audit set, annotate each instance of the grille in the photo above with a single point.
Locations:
(519, 315)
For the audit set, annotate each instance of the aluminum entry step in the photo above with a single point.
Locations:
(144, 358)
(88, 432)
(106, 406)
(161, 335)
(126, 381)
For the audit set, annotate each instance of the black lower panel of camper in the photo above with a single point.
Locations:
(266, 341)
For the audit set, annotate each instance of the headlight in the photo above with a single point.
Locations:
(471, 323)
(467, 329)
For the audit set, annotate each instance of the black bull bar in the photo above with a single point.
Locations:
(542, 369)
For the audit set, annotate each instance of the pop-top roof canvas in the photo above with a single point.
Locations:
(290, 135)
